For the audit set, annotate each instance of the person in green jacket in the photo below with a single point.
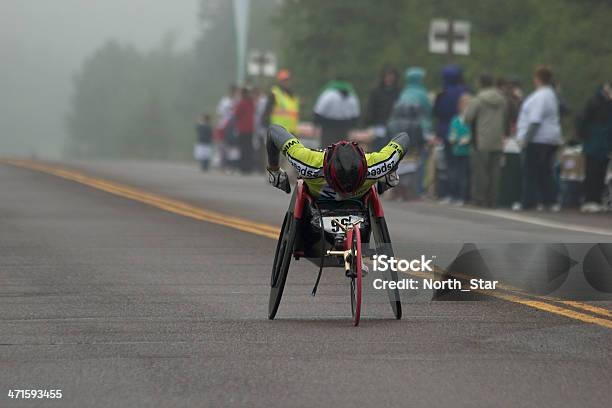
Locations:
(415, 94)
(487, 113)
(460, 137)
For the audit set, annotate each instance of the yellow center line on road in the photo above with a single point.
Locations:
(154, 200)
(554, 309)
(272, 232)
(520, 292)
(515, 297)
(585, 306)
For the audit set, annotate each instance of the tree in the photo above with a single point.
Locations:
(127, 104)
(355, 38)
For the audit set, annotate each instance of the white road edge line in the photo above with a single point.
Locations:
(537, 221)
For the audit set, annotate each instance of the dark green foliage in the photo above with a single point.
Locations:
(355, 38)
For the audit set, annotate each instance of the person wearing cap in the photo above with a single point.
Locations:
(283, 106)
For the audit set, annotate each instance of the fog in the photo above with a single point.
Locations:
(42, 45)
(139, 95)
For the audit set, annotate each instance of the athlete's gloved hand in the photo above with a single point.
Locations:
(279, 179)
(389, 181)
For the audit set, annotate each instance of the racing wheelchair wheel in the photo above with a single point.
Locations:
(354, 237)
(382, 241)
(282, 259)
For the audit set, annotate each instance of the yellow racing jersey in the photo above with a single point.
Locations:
(309, 165)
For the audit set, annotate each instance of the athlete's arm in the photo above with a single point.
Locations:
(307, 162)
(403, 140)
(277, 177)
(385, 160)
(277, 137)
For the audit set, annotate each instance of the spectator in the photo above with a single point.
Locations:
(445, 105)
(488, 115)
(415, 94)
(564, 109)
(510, 181)
(594, 126)
(225, 131)
(445, 108)
(336, 111)
(203, 148)
(259, 137)
(244, 113)
(460, 139)
(225, 108)
(408, 118)
(514, 97)
(282, 105)
(380, 104)
(259, 101)
(539, 132)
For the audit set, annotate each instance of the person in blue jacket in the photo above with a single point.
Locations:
(445, 105)
(445, 108)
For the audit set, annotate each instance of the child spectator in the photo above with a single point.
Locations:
(203, 149)
(459, 138)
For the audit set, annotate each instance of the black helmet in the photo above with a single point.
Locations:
(345, 167)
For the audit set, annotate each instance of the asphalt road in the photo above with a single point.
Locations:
(123, 304)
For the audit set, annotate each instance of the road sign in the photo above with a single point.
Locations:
(449, 37)
(261, 63)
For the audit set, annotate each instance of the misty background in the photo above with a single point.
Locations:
(127, 78)
(114, 78)
(43, 44)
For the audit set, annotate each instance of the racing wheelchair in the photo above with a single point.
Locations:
(332, 234)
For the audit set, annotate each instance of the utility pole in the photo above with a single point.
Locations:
(241, 25)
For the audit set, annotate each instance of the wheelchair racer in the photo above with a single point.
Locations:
(340, 171)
